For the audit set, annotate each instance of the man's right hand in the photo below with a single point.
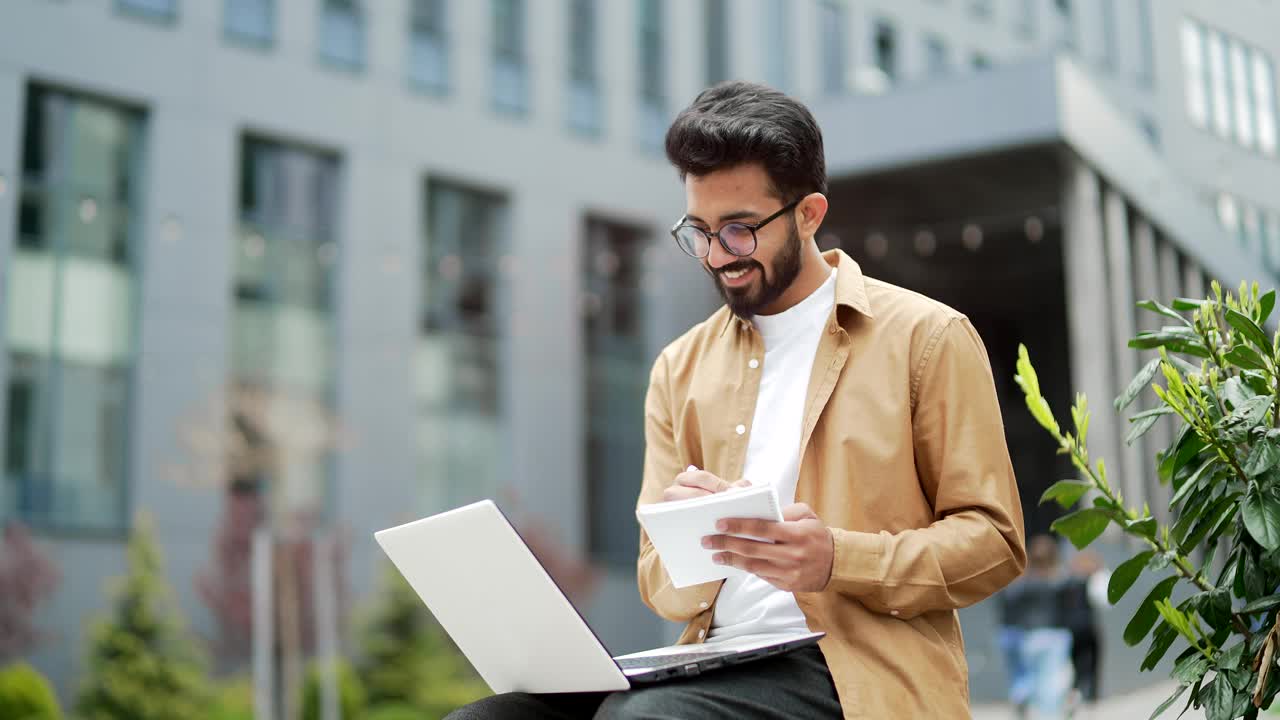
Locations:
(694, 483)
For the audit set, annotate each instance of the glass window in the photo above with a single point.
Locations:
(510, 71)
(1264, 102)
(651, 42)
(1028, 15)
(584, 81)
(1066, 23)
(457, 379)
(616, 381)
(72, 345)
(429, 46)
(1146, 48)
(980, 9)
(1195, 74)
(250, 21)
(831, 30)
(1241, 93)
(1110, 43)
(1251, 229)
(886, 50)
(156, 9)
(342, 33)
(776, 40)
(1219, 84)
(716, 23)
(1228, 213)
(937, 57)
(283, 331)
(1273, 241)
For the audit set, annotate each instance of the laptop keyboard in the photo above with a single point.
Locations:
(658, 660)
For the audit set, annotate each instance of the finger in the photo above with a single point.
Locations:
(681, 492)
(744, 547)
(700, 479)
(767, 529)
(744, 483)
(798, 511)
(756, 566)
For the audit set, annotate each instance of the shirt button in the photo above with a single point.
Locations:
(702, 634)
(893, 612)
(753, 364)
(741, 429)
(703, 605)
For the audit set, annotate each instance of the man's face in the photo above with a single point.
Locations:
(747, 284)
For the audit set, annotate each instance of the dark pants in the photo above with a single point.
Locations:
(1086, 657)
(794, 685)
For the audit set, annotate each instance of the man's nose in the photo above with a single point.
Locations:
(718, 257)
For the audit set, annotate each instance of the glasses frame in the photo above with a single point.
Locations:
(683, 222)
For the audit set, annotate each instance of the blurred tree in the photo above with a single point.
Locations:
(27, 578)
(351, 694)
(142, 665)
(408, 658)
(26, 694)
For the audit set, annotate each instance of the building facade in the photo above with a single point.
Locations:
(440, 226)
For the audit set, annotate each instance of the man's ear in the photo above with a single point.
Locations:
(810, 213)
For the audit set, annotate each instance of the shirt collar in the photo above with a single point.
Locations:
(851, 289)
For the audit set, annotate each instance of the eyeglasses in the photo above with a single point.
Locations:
(738, 239)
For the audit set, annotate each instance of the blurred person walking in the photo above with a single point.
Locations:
(1084, 592)
(1033, 636)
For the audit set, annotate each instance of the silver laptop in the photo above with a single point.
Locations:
(506, 614)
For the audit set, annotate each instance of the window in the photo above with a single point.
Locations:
(164, 10)
(1220, 94)
(937, 57)
(886, 50)
(584, 81)
(1195, 74)
(1264, 97)
(71, 326)
(283, 319)
(1110, 43)
(458, 383)
(250, 21)
(616, 380)
(1273, 241)
(342, 34)
(716, 24)
(510, 69)
(1146, 49)
(429, 46)
(980, 9)
(831, 31)
(1028, 15)
(1241, 91)
(651, 43)
(1066, 23)
(776, 41)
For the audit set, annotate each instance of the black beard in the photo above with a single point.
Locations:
(744, 302)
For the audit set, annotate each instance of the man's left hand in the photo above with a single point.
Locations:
(798, 559)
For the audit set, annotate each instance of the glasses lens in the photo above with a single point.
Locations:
(693, 241)
(739, 239)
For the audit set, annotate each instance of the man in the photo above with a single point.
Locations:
(871, 405)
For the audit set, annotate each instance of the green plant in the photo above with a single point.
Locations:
(351, 694)
(1225, 481)
(25, 694)
(233, 700)
(142, 665)
(409, 659)
(395, 711)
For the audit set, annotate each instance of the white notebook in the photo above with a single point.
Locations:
(676, 529)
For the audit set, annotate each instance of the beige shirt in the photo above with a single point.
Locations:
(902, 455)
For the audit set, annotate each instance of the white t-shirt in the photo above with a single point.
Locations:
(748, 605)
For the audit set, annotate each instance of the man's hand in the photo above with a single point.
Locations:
(798, 559)
(695, 483)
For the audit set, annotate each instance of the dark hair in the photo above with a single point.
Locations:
(736, 123)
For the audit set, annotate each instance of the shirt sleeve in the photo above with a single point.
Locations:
(661, 465)
(975, 544)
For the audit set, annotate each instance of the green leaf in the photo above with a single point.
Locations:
(1266, 303)
(1262, 518)
(1186, 304)
(1156, 307)
(1262, 456)
(1218, 512)
(1082, 526)
(1219, 698)
(1246, 357)
(1231, 658)
(1125, 575)
(1249, 329)
(1191, 668)
(1235, 392)
(1142, 527)
(1157, 412)
(1260, 605)
(1235, 427)
(1168, 702)
(1190, 483)
(1066, 492)
(1140, 428)
(1161, 640)
(1137, 384)
(1214, 606)
(1188, 446)
(1147, 613)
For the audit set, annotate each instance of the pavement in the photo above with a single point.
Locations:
(1134, 705)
